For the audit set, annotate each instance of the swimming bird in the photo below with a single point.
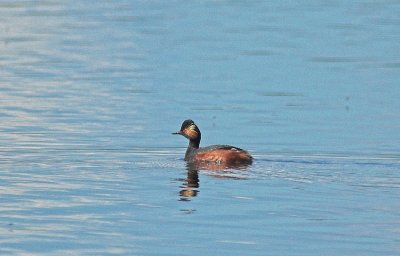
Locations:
(215, 154)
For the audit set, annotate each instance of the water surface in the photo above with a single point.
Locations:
(90, 92)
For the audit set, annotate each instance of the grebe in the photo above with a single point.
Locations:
(219, 154)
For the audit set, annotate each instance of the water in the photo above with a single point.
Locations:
(90, 92)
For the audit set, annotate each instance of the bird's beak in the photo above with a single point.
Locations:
(180, 133)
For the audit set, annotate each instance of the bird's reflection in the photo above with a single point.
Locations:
(190, 186)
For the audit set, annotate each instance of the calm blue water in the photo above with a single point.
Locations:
(91, 90)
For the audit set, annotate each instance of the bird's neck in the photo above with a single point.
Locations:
(192, 147)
